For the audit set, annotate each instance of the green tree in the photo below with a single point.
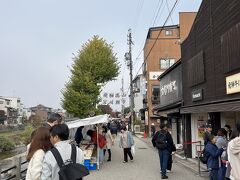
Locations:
(94, 65)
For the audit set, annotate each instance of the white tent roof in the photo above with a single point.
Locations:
(88, 121)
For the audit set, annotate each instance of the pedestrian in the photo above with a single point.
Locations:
(126, 142)
(78, 135)
(170, 159)
(114, 130)
(163, 141)
(213, 155)
(108, 136)
(53, 119)
(101, 143)
(153, 129)
(234, 155)
(229, 131)
(207, 134)
(221, 142)
(40, 144)
(59, 138)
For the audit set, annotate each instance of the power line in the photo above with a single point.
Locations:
(138, 12)
(169, 11)
(175, 4)
(158, 10)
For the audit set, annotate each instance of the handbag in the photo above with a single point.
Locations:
(133, 150)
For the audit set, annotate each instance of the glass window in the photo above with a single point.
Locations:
(168, 32)
(156, 91)
(166, 63)
(111, 95)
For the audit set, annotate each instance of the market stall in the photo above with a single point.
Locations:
(90, 152)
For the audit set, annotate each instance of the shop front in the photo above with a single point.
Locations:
(171, 100)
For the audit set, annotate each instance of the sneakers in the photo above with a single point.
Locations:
(124, 161)
(164, 177)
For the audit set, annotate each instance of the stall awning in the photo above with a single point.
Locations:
(88, 121)
(213, 107)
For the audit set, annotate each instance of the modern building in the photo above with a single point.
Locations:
(161, 51)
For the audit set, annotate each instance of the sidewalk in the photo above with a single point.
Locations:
(189, 163)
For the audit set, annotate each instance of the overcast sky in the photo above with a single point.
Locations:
(37, 39)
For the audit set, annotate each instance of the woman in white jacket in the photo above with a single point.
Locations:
(108, 136)
(40, 144)
(234, 155)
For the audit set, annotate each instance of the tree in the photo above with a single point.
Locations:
(105, 109)
(94, 65)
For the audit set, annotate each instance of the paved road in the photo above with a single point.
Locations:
(144, 167)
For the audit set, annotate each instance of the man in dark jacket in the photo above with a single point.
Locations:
(53, 119)
(207, 134)
(163, 141)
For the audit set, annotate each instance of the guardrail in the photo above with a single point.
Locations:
(18, 171)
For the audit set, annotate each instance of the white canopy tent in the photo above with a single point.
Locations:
(73, 125)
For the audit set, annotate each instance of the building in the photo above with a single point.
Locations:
(171, 101)
(41, 111)
(139, 89)
(211, 70)
(161, 51)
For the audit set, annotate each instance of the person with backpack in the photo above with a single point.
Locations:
(64, 160)
(213, 155)
(163, 141)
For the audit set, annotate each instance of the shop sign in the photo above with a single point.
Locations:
(154, 75)
(233, 83)
(168, 88)
(197, 95)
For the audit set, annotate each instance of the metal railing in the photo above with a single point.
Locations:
(18, 171)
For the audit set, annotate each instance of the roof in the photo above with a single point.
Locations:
(160, 28)
(88, 121)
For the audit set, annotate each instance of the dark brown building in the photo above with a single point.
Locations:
(211, 67)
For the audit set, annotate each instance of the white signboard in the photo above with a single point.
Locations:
(233, 84)
(154, 75)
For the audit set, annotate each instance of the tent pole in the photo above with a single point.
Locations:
(97, 149)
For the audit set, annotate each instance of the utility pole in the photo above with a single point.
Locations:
(122, 99)
(128, 58)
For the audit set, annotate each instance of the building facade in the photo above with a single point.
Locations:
(211, 67)
(161, 51)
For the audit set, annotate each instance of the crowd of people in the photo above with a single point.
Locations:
(223, 152)
(53, 138)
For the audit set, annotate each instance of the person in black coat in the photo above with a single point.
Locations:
(78, 135)
(213, 154)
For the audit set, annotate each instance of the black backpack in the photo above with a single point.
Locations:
(161, 141)
(70, 169)
(203, 157)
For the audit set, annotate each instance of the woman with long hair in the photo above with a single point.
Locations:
(40, 144)
(108, 136)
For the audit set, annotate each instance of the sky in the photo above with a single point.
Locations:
(38, 40)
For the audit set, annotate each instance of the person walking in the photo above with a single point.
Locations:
(108, 136)
(40, 144)
(234, 155)
(126, 142)
(59, 138)
(221, 142)
(79, 136)
(207, 134)
(163, 141)
(213, 155)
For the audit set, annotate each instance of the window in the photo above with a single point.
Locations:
(118, 102)
(168, 32)
(105, 95)
(156, 91)
(166, 63)
(1, 102)
(117, 95)
(111, 95)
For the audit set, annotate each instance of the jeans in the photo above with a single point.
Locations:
(222, 172)
(163, 157)
(127, 152)
(101, 155)
(214, 174)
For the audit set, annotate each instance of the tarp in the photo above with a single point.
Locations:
(88, 121)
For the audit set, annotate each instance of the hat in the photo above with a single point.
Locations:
(208, 126)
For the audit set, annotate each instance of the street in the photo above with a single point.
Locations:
(144, 167)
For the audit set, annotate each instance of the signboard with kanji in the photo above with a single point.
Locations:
(233, 84)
